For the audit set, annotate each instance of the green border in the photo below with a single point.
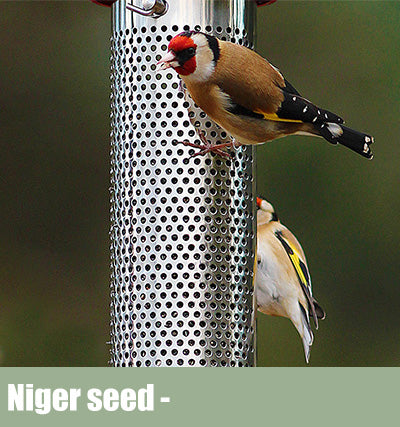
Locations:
(228, 397)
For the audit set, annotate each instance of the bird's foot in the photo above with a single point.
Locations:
(207, 147)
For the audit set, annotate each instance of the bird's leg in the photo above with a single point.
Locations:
(233, 144)
(207, 147)
(218, 149)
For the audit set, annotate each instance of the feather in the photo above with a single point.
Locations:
(338, 134)
(301, 271)
(305, 332)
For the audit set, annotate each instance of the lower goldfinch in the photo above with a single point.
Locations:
(283, 283)
(249, 97)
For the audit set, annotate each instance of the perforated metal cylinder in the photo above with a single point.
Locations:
(182, 229)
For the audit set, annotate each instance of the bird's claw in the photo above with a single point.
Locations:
(207, 147)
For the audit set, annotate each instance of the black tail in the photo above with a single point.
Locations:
(338, 134)
(319, 312)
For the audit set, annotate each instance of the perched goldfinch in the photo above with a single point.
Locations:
(283, 284)
(249, 97)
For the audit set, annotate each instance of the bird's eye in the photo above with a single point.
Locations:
(191, 51)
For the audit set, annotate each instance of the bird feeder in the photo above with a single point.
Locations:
(183, 228)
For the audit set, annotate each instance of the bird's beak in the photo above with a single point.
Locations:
(169, 60)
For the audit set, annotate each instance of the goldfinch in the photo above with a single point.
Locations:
(282, 281)
(249, 97)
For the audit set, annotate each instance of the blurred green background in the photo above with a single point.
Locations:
(54, 180)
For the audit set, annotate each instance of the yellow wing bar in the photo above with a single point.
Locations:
(274, 117)
(297, 263)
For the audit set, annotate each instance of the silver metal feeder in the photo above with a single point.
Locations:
(183, 229)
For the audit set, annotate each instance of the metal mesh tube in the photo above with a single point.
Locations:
(182, 229)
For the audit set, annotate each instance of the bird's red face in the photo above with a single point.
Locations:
(181, 55)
